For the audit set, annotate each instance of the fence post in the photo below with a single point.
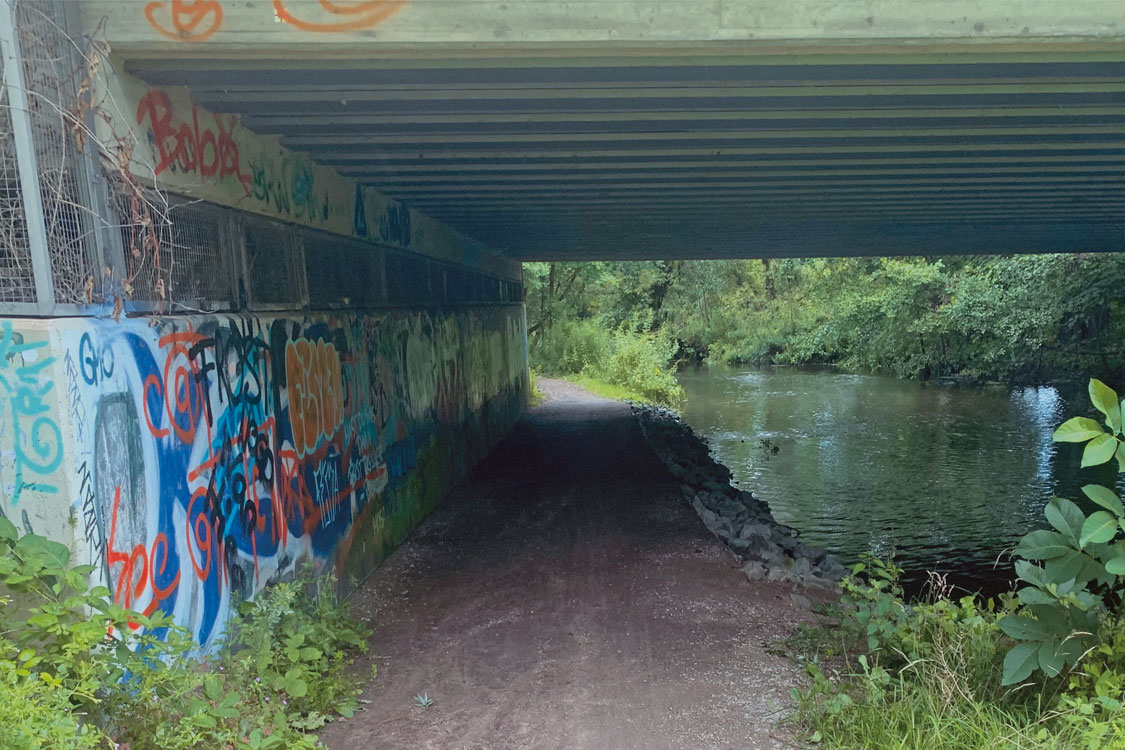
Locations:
(92, 184)
(25, 159)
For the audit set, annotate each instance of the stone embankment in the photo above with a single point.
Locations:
(771, 551)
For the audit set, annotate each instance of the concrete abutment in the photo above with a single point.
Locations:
(195, 459)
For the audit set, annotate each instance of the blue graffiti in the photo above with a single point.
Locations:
(37, 439)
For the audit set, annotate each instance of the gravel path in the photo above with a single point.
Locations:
(565, 597)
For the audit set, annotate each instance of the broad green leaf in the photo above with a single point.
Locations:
(1101, 526)
(1077, 430)
(1099, 450)
(1052, 619)
(1104, 497)
(1066, 517)
(50, 553)
(1071, 569)
(297, 689)
(213, 688)
(1051, 659)
(1024, 628)
(1120, 457)
(1105, 401)
(1043, 545)
(1020, 662)
(196, 706)
(1116, 566)
(1031, 573)
(1030, 595)
(8, 530)
(1064, 569)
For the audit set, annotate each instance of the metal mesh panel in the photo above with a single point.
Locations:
(342, 273)
(175, 255)
(17, 282)
(274, 264)
(408, 279)
(51, 71)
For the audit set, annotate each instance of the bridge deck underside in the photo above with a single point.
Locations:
(650, 157)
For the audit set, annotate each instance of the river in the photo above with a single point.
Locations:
(947, 478)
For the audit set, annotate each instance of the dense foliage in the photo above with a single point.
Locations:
(78, 671)
(569, 335)
(1018, 318)
(1043, 668)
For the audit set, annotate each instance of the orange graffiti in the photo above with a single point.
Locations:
(186, 16)
(128, 592)
(183, 400)
(350, 16)
(316, 392)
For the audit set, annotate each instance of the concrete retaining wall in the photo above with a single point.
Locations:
(198, 458)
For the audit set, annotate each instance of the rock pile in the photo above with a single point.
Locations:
(771, 551)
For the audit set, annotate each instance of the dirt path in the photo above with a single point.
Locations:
(565, 597)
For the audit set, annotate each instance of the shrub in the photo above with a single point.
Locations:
(38, 711)
(1082, 575)
(638, 363)
(77, 671)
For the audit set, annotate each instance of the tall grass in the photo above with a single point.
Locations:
(887, 675)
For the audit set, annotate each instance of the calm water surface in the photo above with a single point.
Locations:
(945, 477)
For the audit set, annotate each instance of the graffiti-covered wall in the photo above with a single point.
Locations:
(199, 458)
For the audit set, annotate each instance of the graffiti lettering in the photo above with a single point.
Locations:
(316, 392)
(139, 568)
(37, 438)
(94, 363)
(360, 216)
(394, 225)
(74, 396)
(186, 18)
(229, 449)
(289, 189)
(199, 20)
(345, 16)
(189, 148)
(327, 478)
(89, 511)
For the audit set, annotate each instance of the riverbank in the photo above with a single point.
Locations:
(566, 596)
(771, 551)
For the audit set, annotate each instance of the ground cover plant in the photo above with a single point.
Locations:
(78, 671)
(1042, 667)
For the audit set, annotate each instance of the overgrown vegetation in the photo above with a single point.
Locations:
(1041, 668)
(78, 671)
(1014, 318)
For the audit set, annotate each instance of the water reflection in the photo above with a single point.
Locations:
(947, 477)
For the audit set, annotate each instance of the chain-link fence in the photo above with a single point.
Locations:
(17, 279)
(107, 241)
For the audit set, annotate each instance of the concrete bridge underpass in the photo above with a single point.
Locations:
(260, 259)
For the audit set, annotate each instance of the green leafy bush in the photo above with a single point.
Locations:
(77, 671)
(1074, 574)
(639, 363)
(37, 710)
